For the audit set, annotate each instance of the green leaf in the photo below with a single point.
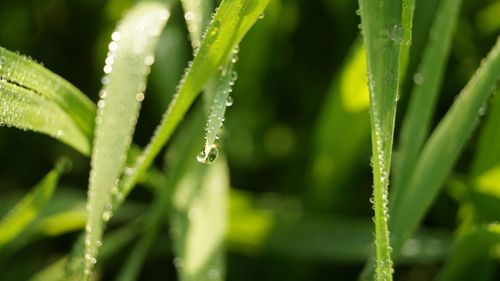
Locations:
(428, 80)
(472, 255)
(407, 25)
(29, 207)
(197, 16)
(33, 98)
(382, 33)
(131, 53)
(231, 22)
(62, 268)
(182, 155)
(283, 228)
(198, 208)
(336, 152)
(443, 149)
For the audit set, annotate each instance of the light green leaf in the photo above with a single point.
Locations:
(131, 53)
(182, 155)
(199, 207)
(345, 110)
(471, 258)
(197, 16)
(28, 208)
(485, 169)
(443, 149)
(424, 96)
(383, 35)
(33, 98)
(285, 229)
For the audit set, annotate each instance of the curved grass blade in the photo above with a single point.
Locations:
(345, 110)
(27, 74)
(472, 256)
(28, 208)
(443, 148)
(231, 22)
(382, 33)
(27, 110)
(131, 53)
(423, 99)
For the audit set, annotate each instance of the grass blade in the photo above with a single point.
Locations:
(382, 33)
(231, 22)
(27, 110)
(199, 206)
(485, 169)
(471, 258)
(345, 109)
(181, 155)
(443, 148)
(27, 209)
(197, 16)
(131, 53)
(221, 99)
(258, 228)
(30, 75)
(407, 25)
(26, 87)
(423, 99)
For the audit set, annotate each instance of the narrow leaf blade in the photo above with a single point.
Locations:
(443, 148)
(28, 208)
(127, 66)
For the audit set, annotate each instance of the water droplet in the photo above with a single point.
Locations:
(139, 97)
(106, 216)
(149, 60)
(229, 101)
(261, 15)
(208, 157)
(116, 36)
(178, 263)
(164, 14)
(418, 78)
(109, 60)
(396, 33)
(103, 94)
(101, 104)
(108, 68)
(59, 133)
(105, 80)
(213, 274)
(113, 46)
(189, 16)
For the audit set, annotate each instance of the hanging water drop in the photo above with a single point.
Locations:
(261, 15)
(229, 101)
(208, 155)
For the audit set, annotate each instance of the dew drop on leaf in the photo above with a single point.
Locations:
(229, 101)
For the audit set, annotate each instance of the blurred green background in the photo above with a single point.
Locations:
(298, 153)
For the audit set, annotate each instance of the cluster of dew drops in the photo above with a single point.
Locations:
(210, 152)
